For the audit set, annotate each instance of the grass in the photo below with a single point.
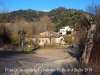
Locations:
(29, 48)
(48, 48)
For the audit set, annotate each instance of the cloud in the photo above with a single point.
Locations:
(45, 10)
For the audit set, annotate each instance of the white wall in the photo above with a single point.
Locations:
(65, 29)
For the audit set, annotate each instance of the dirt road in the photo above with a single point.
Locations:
(39, 62)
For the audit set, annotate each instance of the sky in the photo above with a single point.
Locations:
(46, 5)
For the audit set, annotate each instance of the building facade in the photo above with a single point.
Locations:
(50, 38)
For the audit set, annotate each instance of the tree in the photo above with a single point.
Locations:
(93, 9)
(4, 31)
(4, 34)
(19, 26)
(92, 19)
(46, 23)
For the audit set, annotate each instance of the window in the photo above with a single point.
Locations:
(42, 40)
(46, 41)
(39, 41)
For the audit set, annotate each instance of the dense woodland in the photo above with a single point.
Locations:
(60, 16)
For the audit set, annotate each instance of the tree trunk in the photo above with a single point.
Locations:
(88, 45)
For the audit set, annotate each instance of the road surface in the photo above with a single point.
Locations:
(39, 62)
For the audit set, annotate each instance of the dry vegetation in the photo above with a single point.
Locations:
(9, 38)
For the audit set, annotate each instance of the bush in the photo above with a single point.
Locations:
(68, 32)
(68, 39)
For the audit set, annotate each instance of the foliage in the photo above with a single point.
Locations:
(60, 16)
(28, 15)
(4, 34)
(65, 17)
(68, 32)
(68, 38)
(29, 48)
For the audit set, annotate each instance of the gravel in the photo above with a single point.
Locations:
(55, 61)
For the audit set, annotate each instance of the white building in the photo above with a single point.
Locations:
(64, 30)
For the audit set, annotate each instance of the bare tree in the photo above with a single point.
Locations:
(3, 8)
(94, 10)
(46, 23)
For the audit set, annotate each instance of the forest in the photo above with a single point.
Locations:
(60, 16)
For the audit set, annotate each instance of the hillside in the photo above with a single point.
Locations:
(60, 16)
(64, 17)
